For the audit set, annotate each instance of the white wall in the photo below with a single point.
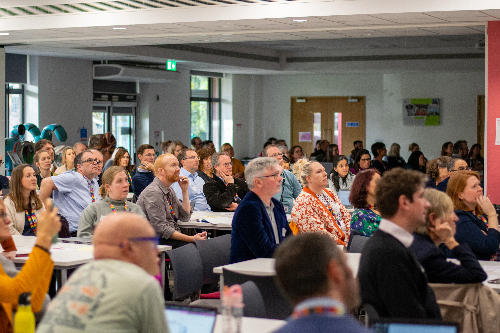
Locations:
(262, 103)
(65, 95)
(168, 110)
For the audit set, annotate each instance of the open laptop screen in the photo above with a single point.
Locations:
(414, 325)
(189, 319)
(344, 197)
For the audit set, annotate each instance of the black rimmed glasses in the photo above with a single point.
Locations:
(155, 239)
(274, 175)
(92, 161)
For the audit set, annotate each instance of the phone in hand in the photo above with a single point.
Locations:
(55, 239)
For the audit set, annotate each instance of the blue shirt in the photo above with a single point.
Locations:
(290, 190)
(141, 180)
(195, 190)
(73, 196)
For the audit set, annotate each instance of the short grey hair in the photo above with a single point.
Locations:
(257, 168)
(264, 152)
(215, 159)
(306, 171)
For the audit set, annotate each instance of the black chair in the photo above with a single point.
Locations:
(371, 314)
(276, 306)
(252, 298)
(214, 252)
(358, 243)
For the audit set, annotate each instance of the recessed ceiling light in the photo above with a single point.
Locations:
(299, 20)
(119, 28)
(4, 33)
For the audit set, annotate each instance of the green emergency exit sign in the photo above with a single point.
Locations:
(171, 65)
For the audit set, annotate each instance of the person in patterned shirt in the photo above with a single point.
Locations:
(365, 218)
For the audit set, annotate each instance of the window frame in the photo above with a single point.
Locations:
(13, 91)
(210, 100)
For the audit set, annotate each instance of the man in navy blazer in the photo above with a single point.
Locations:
(259, 222)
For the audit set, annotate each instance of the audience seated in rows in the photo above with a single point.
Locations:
(259, 223)
(68, 161)
(290, 186)
(413, 147)
(394, 159)
(318, 209)
(340, 177)
(361, 161)
(48, 146)
(36, 273)
(116, 292)
(43, 162)
(358, 145)
(113, 191)
(238, 168)
(447, 149)
(175, 148)
(22, 204)
(320, 154)
(79, 147)
(189, 161)
(144, 172)
(165, 145)
(416, 162)
(205, 164)
(332, 153)
(460, 150)
(477, 223)
(294, 154)
(390, 277)
(122, 159)
(196, 143)
(75, 190)
(224, 192)
(313, 274)
(209, 144)
(439, 171)
(162, 207)
(474, 159)
(379, 151)
(440, 229)
(366, 218)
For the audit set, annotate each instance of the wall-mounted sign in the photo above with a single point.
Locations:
(171, 65)
(421, 112)
(351, 124)
(304, 136)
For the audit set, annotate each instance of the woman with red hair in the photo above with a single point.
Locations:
(365, 218)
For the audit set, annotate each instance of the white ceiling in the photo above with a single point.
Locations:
(249, 26)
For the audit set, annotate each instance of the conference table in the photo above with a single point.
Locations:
(69, 253)
(252, 325)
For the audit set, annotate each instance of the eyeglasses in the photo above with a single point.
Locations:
(275, 176)
(365, 159)
(276, 155)
(459, 169)
(92, 161)
(227, 164)
(154, 239)
(191, 158)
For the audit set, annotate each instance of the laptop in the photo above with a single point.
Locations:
(190, 319)
(413, 325)
(344, 198)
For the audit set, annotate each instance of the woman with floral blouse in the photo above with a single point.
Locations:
(365, 218)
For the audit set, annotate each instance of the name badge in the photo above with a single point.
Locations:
(102, 217)
(286, 209)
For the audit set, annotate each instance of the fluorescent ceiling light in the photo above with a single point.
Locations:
(300, 20)
(4, 33)
(118, 28)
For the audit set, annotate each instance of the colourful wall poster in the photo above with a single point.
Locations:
(304, 136)
(421, 112)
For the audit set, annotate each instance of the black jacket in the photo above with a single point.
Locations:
(219, 196)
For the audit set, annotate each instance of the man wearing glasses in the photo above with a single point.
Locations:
(115, 292)
(189, 161)
(224, 192)
(144, 174)
(259, 224)
(75, 190)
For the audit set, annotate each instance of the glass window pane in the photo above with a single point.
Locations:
(99, 122)
(122, 129)
(215, 124)
(15, 110)
(337, 130)
(199, 120)
(199, 86)
(316, 127)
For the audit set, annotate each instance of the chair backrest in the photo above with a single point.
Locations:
(357, 242)
(187, 267)
(214, 252)
(252, 298)
(276, 306)
(328, 167)
(371, 314)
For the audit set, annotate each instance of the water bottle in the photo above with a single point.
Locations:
(232, 309)
(24, 320)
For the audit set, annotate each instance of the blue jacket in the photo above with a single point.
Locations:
(141, 180)
(290, 190)
(470, 231)
(323, 324)
(252, 235)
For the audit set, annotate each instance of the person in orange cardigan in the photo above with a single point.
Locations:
(35, 275)
(318, 209)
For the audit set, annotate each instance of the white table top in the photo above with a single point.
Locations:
(253, 325)
(265, 266)
(62, 254)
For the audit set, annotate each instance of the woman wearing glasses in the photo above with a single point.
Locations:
(439, 172)
(43, 161)
(477, 218)
(122, 159)
(361, 161)
(114, 191)
(22, 203)
(318, 209)
(68, 161)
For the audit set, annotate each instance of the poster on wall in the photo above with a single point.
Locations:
(304, 136)
(421, 112)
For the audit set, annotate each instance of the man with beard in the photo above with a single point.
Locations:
(313, 274)
(162, 207)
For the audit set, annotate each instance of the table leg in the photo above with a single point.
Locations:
(64, 276)
(162, 268)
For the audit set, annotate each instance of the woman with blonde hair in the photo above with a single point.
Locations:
(114, 191)
(477, 223)
(68, 161)
(122, 159)
(440, 229)
(22, 204)
(318, 209)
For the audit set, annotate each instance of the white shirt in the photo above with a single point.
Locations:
(397, 232)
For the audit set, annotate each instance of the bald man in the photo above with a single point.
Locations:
(116, 292)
